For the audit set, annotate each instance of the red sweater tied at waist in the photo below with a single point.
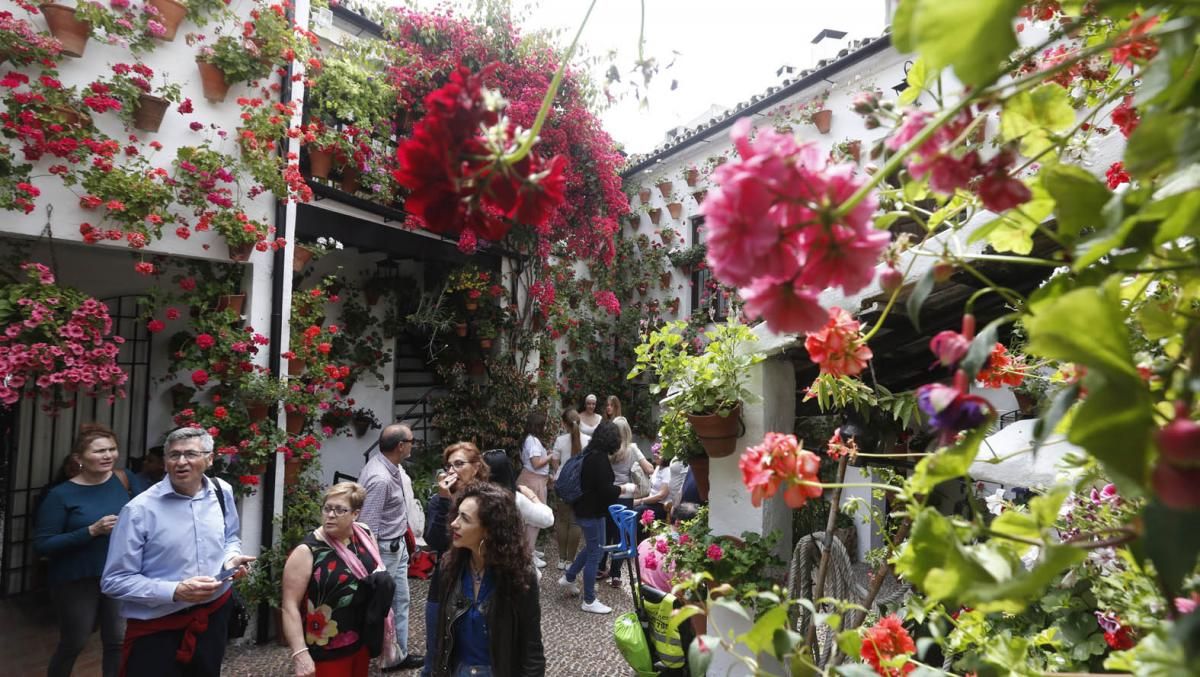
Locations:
(192, 621)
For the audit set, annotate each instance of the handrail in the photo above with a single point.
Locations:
(422, 401)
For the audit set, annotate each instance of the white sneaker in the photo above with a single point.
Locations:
(570, 586)
(539, 553)
(596, 607)
(539, 562)
(562, 566)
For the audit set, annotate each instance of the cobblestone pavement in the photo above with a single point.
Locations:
(577, 644)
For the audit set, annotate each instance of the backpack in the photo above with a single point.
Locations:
(569, 485)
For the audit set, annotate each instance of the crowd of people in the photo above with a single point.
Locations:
(150, 558)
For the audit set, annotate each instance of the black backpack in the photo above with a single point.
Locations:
(569, 485)
(239, 618)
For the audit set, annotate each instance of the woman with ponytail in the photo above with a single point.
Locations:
(570, 443)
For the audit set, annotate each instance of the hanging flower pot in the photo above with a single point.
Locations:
(691, 175)
(699, 196)
(644, 195)
(319, 163)
(485, 343)
(257, 411)
(823, 119)
(699, 466)
(70, 31)
(295, 367)
(301, 255)
(472, 305)
(172, 14)
(350, 178)
(295, 423)
(664, 187)
(664, 280)
(643, 288)
(718, 434)
(212, 79)
(361, 425)
(181, 396)
(460, 329)
(854, 149)
(676, 209)
(240, 253)
(233, 302)
(148, 115)
(655, 215)
(291, 471)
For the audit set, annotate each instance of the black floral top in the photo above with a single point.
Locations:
(335, 606)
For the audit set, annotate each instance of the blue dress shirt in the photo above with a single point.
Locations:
(163, 537)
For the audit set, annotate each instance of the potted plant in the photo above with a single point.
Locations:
(71, 30)
(132, 195)
(689, 258)
(655, 215)
(471, 283)
(125, 25)
(170, 14)
(675, 207)
(644, 195)
(678, 440)
(847, 150)
(363, 420)
(23, 45)
(142, 105)
(486, 331)
(664, 187)
(709, 387)
(227, 61)
(260, 391)
(691, 175)
(242, 234)
(815, 113)
(310, 251)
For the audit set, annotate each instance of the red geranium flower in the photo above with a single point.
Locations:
(199, 377)
(838, 347)
(883, 642)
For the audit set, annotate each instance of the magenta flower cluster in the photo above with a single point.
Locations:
(773, 228)
(56, 344)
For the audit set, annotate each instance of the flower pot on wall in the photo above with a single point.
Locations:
(361, 426)
(676, 209)
(485, 344)
(234, 302)
(664, 187)
(691, 176)
(664, 280)
(699, 196)
(655, 216)
(644, 195)
(301, 255)
(295, 368)
(350, 178)
(240, 253)
(172, 14)
(460, 329)
(294, 423)
(319, 163)
(181, 395)
(148, 115)
(64, 26)
(472, 305)
(823, 119)
(212, 80)
(257, 411)
(718, 434)
(854, 150)
(291, 471)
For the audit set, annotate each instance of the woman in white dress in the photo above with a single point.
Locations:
(588, 418)
(535, 472)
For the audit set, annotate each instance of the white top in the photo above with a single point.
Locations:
(589, 429)
(622, 471)
(562, 446)
(537, 515)
(678, 474)
(660, 478)
(531, 449)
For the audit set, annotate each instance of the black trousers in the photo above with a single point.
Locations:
(154, 655)
(80, 607)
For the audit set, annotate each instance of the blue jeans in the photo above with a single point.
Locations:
(589, 558)
(397, 566)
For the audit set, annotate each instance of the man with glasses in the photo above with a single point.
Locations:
(165, 562)
(386, 513)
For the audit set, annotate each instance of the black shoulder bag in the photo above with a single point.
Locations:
(239, 618)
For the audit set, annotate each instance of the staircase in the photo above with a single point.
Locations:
(415, 389)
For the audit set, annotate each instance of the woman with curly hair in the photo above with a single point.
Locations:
(483, 617)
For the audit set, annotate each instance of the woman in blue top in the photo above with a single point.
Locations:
(483, 617)
(73, 525)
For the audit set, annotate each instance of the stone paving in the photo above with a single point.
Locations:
(577, 644)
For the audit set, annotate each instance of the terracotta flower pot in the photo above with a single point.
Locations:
(823, 119)
(644, 195)
(361, 426)
(257, 411)
(240, 253)
(350, 178)
(676, 209)
(295, 368)
(854, 150)
(291, 471)
(699, 466)
(172, 14)
(301, 255)
(1026, 403)
(655, 216)
(460, 329)
(664, 187)
(295, 423)
(73, 118)
(718, 434)
(319, 163)
(485, 343)
(643, 288)
(664, 280)
(472, 305)
(148, 115)
(691, 176)
(699, 196)
(234, 302)
(212, 79)
(70, 31)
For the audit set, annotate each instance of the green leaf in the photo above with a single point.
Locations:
(1048, 421)
(1171, 543)
(1114, 424)
(916, 83)
(902, 26)
(947, 463)
(1162, 143)
(1082, 326)
(1183, 220)
(1014, 594)
(1013, 231)
(1035, 115)
(1078, 197)
(917, 297)
(761, 637)
(973, 37)
(933, 559)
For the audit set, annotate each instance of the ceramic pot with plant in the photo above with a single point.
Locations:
(644, 195)
(142, 104)
(655, 215)
(67, 28)
(691, 175)
(676, 209)
(171, 14)
(664, 187)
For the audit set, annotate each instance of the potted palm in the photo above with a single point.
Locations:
(708, 387)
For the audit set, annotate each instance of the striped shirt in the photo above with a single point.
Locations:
(384, 510)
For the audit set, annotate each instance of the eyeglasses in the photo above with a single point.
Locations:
(457, 464)
(336, 510)
(176, 456)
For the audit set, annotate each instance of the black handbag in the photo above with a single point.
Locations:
(239, 618)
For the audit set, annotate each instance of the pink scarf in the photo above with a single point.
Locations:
(360, 572)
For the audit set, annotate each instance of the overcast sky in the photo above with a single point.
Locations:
(728, 50)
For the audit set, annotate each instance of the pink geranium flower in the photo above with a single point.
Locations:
(787, 305)
(838, 347)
